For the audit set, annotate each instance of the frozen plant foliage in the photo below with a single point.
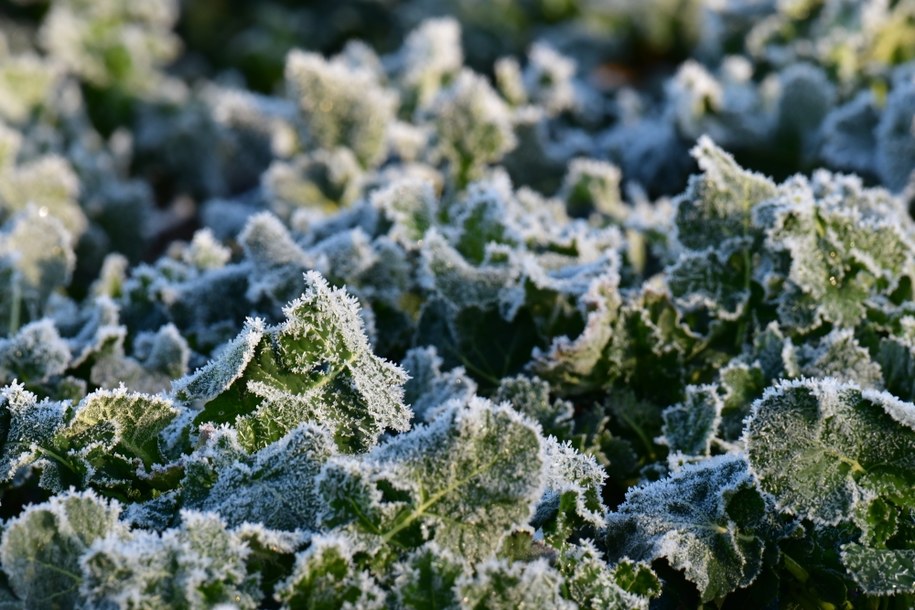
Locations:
(852, 445)
(441, 320)
(339, 105)
(316, 366)
(702, 520)
(434, 482)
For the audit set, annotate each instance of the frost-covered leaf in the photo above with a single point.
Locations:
(326, 576)
(881, 571)
(275, 486)
(26, 80)
(278, 261)
(222, 372)
(463, 481)
(27, 424)
(430, 56)
(35, 354)
(499, 585)
(896, 357)
(842, 445)
(704, 520)
(426, 579)
(322, 180)
(42, 547)
(849, 141)
(717, 205)
(839, 355)
(895, 138)
(118, 422)
(592, 185)
(806, 97)
(197, 565)
(594, 585)
(582, 363)
(339, 105)
(317, 366)
(429, 389)
(411, 207)
(158, 358)
(531, 396)
(712, 281)
(112, 42)
(50, 184)
(690, 426)
(113, 436)
(36, 258)
(844, 243)
(473, 125)
(573, 498)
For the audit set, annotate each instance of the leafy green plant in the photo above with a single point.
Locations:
(388, 333)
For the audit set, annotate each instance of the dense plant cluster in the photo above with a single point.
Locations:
(539, 305)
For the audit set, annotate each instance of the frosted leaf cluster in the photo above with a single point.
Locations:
(473, 305)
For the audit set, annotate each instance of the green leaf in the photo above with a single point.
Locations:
(426, 579)
(717, 206)
(499, 585)
(705, 520)
(144, 568)
(881, 571)
(594, 585)
(275, 486)
(842, 445)
(116, 424)
(340, 105)
(690, 426)
(326, 577)
(317, 366)
(42, 547)
(463, 481)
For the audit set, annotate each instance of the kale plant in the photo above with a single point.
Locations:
(457, 305)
